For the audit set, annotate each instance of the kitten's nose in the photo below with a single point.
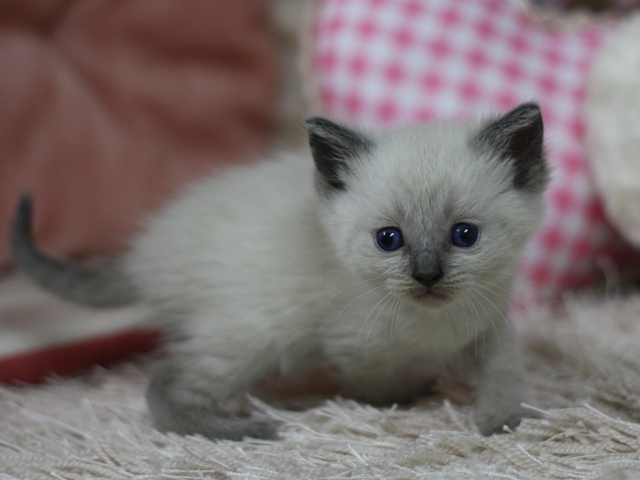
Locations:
(428, 279)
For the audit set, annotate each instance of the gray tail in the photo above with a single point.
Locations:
(103, 286)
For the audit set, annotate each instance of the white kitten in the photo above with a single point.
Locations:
(401, 256)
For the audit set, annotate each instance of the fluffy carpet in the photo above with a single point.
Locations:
(583, 367)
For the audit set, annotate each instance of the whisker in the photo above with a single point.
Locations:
(465, 314)
(379, 287)
(389, 330)
(504, 318)
(477, 321)
(485, 283)
(343, 289)
(366, 320)
(394, 314)
(387, 298)
(502, 294)
(513, 275)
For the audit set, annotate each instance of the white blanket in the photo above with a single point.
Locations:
(583, 366)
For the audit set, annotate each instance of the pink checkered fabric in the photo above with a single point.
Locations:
(391, 61)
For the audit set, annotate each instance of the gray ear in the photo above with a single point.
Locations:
(332, 146)
(517, 137)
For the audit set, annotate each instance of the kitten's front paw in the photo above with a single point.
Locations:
(260, 426)
(492, 419)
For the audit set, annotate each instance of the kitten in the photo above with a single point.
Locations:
(403, 254)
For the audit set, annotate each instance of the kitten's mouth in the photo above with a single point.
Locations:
(431, 297)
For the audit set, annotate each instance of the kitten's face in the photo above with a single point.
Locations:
(433, 212)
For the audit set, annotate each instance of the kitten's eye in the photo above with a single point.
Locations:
(389, 239)
(464, 235)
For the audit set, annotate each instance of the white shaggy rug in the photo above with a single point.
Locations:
(583, 367)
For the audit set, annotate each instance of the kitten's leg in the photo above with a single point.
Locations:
(501, 388)
(203, 389)
(179, 408)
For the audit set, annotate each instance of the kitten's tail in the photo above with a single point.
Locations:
(103, 286)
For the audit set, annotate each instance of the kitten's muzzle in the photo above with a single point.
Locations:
(429, 279)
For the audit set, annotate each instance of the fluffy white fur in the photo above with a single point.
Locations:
(262, 274)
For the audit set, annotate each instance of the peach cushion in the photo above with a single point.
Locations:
(108, 107)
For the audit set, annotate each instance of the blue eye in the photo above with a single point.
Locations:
(464, 235)
(389, 239)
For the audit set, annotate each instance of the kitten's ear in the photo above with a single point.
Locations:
(332, 145)
(517, 137)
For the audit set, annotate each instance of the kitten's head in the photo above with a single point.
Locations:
(434, 209)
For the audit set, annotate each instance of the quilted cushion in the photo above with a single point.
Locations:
(109, 107)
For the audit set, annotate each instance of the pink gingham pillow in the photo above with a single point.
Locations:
(391, 61)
